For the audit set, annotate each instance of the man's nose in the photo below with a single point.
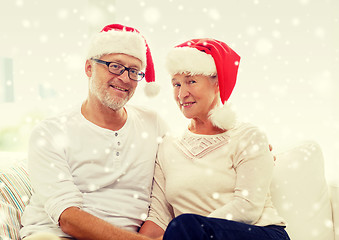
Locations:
(124, 77)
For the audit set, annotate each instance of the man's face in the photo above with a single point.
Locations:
(112, 90)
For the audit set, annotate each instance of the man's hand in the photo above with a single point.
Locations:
(82, 225)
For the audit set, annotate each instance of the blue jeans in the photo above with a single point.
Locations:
(196, 227)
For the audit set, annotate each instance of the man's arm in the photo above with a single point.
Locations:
(82, 225)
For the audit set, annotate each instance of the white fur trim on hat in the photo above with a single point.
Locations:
(223, 117)
(190, 60)
(130, 43)
(152, 89)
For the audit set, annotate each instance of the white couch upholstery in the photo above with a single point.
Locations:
(302, 195)
(299, 191)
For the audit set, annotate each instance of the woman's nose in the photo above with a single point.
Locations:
(183, 92)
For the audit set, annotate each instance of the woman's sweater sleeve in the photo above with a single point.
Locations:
(160, 212)
(253, 164)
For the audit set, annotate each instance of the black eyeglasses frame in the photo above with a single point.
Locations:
(122, 71)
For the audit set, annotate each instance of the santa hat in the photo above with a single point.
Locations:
(116, 38)
(209, 57)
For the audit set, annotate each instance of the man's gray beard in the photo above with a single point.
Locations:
(105, 98)
(112, 103)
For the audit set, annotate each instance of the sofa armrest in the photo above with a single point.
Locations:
(334, 190)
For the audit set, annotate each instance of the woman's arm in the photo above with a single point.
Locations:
(160, 211)
(152, 230)
(253, 164)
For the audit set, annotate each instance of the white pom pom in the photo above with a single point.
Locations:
(42, 236)
(224, 117)
(151, 89)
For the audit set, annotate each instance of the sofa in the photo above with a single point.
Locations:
(299, 191)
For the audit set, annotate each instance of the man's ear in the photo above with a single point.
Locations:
(89, 68)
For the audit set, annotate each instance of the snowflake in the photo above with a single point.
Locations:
(136, 195)
(26, 23)
(255, 147)
(215, 195)
(328, 223)
(111, 8)
(159, 139)
(41, 142)
(25, 198)
(143, 216)
(276, 34)
(43, 38)
(245, 193)
(319, 32)
(264, 46)
(63, 14)
(19, 3)
(152, 15)
(304, 2)
(295, 21)
(92, 187)
(61, 176)
(144, 135)
(229, 216)
(214, 14)
(209, 171)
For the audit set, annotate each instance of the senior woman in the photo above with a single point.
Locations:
(213, 181)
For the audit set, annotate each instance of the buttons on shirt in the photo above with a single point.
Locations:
(116, 150)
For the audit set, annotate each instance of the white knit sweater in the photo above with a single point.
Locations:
(225, 176)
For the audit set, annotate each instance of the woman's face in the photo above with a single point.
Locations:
(195, 95)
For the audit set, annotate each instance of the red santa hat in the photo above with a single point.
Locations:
(209, 57)
(117, 38)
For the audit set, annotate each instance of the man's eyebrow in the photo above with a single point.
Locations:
(131, 66)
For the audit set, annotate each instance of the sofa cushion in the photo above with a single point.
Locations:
(9, 221)
(15, 192)
(300, 193)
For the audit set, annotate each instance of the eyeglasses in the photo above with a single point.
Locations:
(119, 69)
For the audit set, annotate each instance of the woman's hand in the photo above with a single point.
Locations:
(152, 230)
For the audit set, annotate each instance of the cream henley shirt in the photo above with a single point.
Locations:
(73, 162)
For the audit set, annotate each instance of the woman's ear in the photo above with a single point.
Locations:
(88, 68)
(216, 83)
